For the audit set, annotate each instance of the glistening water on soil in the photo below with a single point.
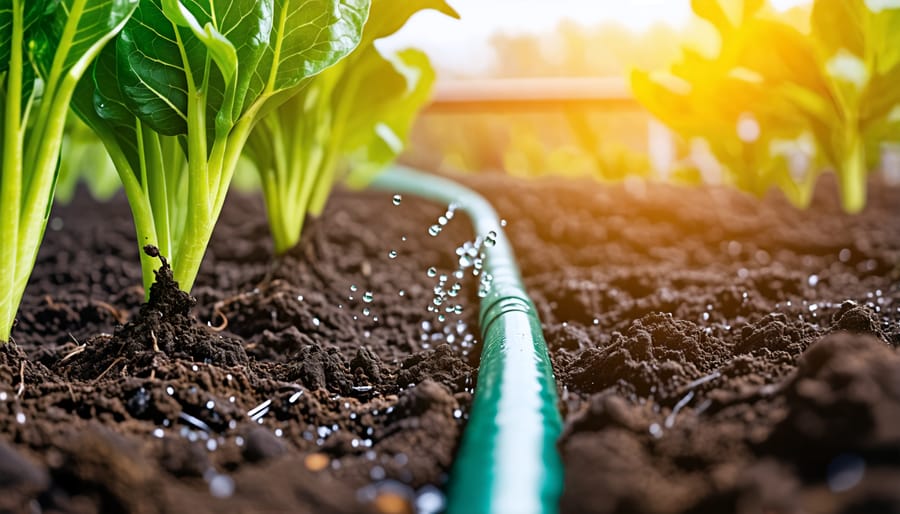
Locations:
(714, 353)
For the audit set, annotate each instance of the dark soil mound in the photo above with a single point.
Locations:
(715, 353)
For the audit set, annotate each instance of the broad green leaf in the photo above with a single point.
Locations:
(383, 116)
(35, 11)
(100, 105)
(276, 44)
(97, 21)
(305, 41)
(388, 17)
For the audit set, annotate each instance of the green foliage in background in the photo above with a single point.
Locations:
(354, 116)
(176, 97)
(45, 47)
(86, 162)
(775, 104)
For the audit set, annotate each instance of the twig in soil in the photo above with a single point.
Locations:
(256, 413)
(120, 315)
(194, 422)
(217, 311)
(155, 342)
(78, 349)
(21, 380)
(101, 375)
(49, 301)
(670, 419)
(700, 381)
(218, 306)
(75, 351)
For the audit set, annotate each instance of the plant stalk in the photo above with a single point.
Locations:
(11, 179)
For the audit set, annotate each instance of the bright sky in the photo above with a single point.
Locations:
(462, 44)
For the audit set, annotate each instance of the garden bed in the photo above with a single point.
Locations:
(654, 299)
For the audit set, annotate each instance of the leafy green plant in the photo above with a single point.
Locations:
(45, 47)
(720, 101)
(175, 99)
(773, 92)
(355, 115)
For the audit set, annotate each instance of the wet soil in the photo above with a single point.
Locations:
(279, 388)
(714, 353)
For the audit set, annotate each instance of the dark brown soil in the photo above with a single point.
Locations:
(275, 393)
(714, 353)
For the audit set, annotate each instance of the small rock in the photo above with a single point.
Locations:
(316, 461)
(261, 445)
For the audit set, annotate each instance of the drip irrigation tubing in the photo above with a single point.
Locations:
(508, 459)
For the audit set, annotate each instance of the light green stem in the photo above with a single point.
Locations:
(853, 174)
(11, 179)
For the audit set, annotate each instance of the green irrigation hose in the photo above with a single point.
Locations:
(507, 461)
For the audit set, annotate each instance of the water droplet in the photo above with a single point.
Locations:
(442, 220)
(430, 500)
(441, 318)
(20, 418)
(812, 280)
(397, 199)
(434, 230)
(432, 272)
(221, 486)
(392, 254)
(403, 238)
(366, 311)
(316, 322)
(402, 293)
(353, 287)
(845, 471)
(844, 255)
(368, 297)
(502, 223)
(705, 316)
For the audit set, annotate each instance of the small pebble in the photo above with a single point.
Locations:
(390, 502)
(316, 461)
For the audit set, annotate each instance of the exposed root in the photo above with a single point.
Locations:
(21, 388)
(111, 365)
(120, 316)
(217, 311)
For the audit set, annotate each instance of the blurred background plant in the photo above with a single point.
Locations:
(85, 161)
(757, 94)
